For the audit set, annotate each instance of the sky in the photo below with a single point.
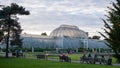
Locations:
(46, 15)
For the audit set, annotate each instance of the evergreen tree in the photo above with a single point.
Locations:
(112, 28)
(1, 31)
(9, 23)
(16, 35)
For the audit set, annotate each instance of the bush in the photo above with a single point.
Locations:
(38, 50)
(80, 49)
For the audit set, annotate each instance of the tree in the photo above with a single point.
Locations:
(1, 31)
(96, 37)
(44, 34)
(9, 23)
(112, 28)
(16, 38)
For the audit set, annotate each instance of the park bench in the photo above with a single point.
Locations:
(45, 56)
(41, 56)
(93, 60)
(17, 55)
(65, 58)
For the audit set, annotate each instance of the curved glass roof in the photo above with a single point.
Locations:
(68, 31)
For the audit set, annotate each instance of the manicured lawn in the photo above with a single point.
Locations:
(72, 56)
(75, 56)
(33, 63)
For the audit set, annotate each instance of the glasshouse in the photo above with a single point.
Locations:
(63, 37)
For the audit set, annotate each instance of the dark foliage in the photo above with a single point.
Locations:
(9, 24)
(112, 28)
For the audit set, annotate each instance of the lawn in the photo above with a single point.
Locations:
(72, 56)
(33, 63)
(75, 56)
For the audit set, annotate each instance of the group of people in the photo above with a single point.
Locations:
(95, 58)
(17, 53)
(90, 58)
(64, 57)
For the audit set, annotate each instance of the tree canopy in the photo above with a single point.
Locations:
(9, 23)
(112, 28)
(44, 34)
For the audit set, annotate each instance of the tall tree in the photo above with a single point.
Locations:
(16, 35)
(112, 28)
(6, 16)
(1, 31)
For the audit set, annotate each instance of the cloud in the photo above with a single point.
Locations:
(47, 15)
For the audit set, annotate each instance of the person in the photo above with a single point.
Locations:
(90, 59)
(102, 59)
(62, 57)
(95, 58)
(83, 58)
(89, 55)
(21, 53)
(109, 60)
(67, 58)
(70, 52)
(17, 53)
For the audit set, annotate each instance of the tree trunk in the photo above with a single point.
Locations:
(117, 56)
(7, 44)
(7, 40)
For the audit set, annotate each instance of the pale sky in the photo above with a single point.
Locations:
(46, 15)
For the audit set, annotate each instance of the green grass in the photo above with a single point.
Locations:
(75, 56)
(72, 56)
(32, 63)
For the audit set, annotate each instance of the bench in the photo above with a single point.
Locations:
(61, 58)
(17, 55)
(93, 60)
(65, 58)
(42, 56)
(45, 56)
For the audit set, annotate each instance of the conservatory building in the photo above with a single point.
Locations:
(63, 37)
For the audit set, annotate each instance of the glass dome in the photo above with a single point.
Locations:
(68, 31)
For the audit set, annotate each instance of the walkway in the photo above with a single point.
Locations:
(75, 61)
